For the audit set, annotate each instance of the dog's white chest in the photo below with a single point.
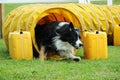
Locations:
(60, 45)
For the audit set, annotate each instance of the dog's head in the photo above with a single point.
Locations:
(69, 34)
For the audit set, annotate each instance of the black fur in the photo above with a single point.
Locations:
(44, 35)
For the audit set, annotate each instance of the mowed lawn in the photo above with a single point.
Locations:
(103, 69)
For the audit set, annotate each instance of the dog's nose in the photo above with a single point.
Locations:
(80, 45)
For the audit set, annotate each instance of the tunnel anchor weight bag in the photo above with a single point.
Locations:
(95, 45)
(117, 35)
(20, 45)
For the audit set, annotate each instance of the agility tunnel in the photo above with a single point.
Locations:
(86, 17)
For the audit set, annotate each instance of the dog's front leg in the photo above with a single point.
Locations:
(42, 54)
(69, 55)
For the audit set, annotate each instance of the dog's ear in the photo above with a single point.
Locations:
(71, 26)
(78, 31)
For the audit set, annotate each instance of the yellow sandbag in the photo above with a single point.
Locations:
(20, 45)
(117, 35)
(95, 45)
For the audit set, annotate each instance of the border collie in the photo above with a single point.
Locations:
(60, 37)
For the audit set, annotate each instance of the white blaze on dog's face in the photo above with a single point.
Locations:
(78, 43)
(68, 33)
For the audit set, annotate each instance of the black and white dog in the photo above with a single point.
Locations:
(58, 36)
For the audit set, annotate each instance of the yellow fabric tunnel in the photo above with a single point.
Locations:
(86, 17)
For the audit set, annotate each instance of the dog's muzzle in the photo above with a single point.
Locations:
(80, 45)
(77, 46)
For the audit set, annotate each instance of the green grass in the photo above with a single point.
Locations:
(104, 69)
(104, 2)
(10, 7)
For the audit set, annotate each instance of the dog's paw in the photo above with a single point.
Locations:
(77, 59)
